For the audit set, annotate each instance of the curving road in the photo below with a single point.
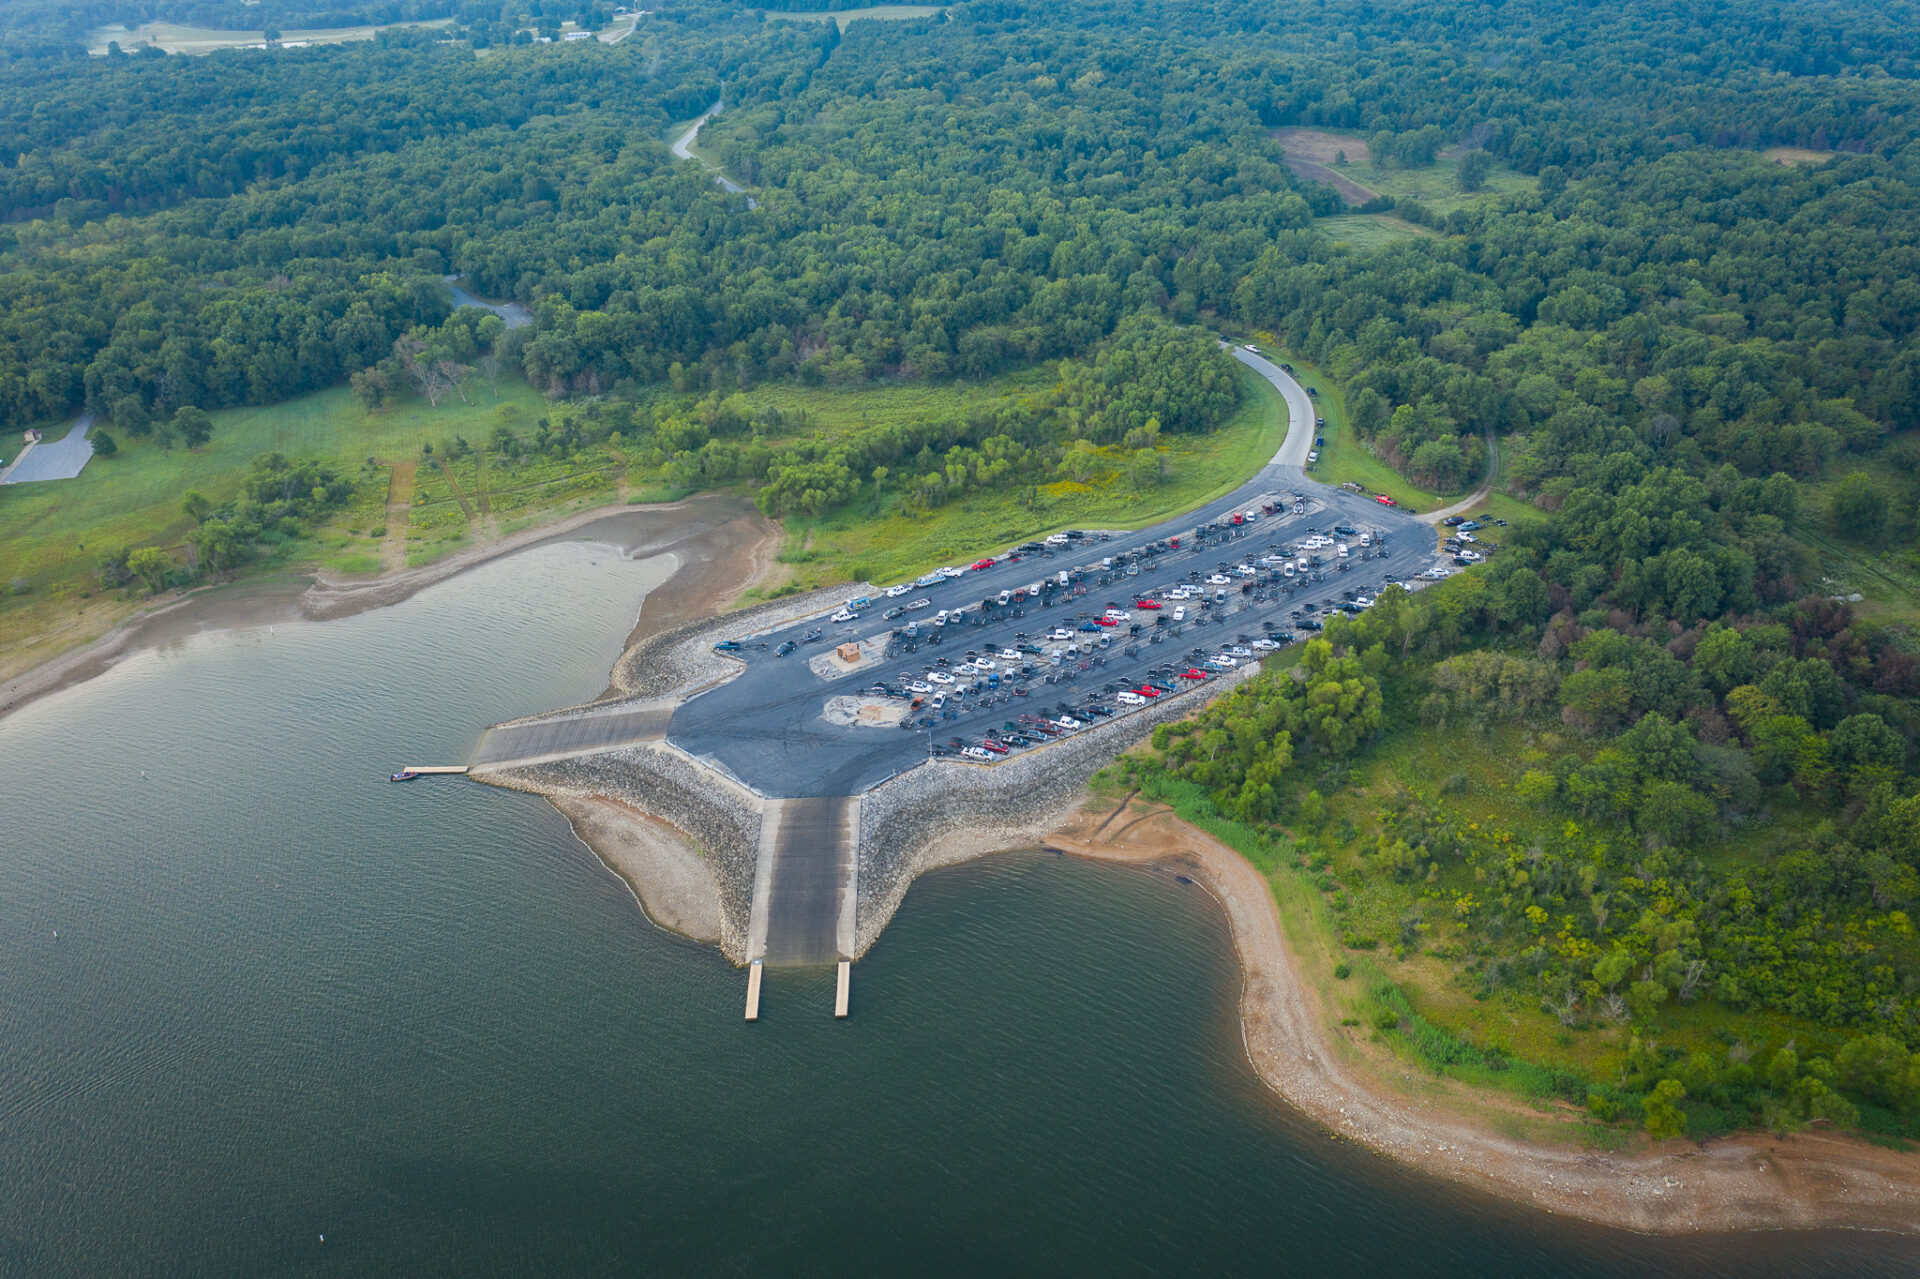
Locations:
(683, 148)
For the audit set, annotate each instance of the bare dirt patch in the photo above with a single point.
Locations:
(1320, 146)
(1312, 154)
(865, 712)
(1360, 1092)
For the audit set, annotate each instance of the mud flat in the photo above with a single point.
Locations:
(721, 545)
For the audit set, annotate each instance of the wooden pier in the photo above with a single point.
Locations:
(753, 991)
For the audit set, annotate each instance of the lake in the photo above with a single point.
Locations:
(289, 999)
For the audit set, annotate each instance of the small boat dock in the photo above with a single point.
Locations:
(412, 771)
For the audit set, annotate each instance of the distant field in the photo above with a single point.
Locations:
(883, 12)
(178, 39)
(1797, 155)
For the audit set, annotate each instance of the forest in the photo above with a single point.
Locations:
(1681, 843)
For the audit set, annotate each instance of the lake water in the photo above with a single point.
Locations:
(288, 999)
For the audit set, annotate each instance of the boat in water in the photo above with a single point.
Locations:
(404, 775)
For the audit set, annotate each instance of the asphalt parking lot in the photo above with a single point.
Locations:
(767, 726)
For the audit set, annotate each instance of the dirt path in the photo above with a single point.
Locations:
(393, 548)
(1335, 1076)
(453, 486)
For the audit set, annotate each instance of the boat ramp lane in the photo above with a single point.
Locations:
(584, 732)
(805, 890)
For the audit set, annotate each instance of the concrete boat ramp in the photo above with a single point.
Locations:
(805, 892)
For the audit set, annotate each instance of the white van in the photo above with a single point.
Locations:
(1341, 550)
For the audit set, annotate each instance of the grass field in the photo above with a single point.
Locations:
(1313, 153)
(1367, 231)
(1885, 574)
(854, 543)
(175, 38)
(882, 12)
(835, 411)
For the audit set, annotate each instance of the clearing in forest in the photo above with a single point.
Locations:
(1313, 154)
(1797, 155)
(175, 38)
(882, 12)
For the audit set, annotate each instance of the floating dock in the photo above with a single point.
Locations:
(844, 980)
(753, 991)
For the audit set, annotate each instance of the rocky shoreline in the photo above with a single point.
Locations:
(721, 821)
(946, 812)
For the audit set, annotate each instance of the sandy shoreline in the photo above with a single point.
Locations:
(1753, 1182)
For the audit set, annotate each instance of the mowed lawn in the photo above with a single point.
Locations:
(52, 534)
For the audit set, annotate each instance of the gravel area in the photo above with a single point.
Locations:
(722, 820)
(945, 812)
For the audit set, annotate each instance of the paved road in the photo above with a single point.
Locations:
(767, 725)
(683, 148)
(513, 313)
(60, 459)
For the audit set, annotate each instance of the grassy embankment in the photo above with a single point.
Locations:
(891, 544)
(52, 535)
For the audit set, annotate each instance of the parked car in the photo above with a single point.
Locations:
(785, 648)
(892, 613)
(1129, 698)
(895, 592)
